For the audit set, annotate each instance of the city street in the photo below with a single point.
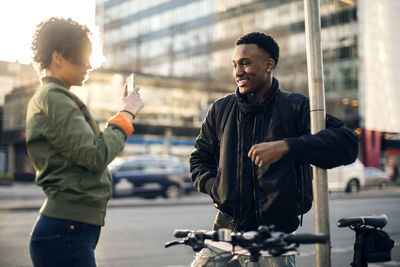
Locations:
(135, 235)
(170, 96)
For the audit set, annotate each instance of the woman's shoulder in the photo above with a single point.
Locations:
(53, 88)
(54, 95)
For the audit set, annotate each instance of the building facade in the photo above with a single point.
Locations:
(13, 132)
(195, 39)
(10, 79)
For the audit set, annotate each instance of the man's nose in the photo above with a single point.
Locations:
(238, 71)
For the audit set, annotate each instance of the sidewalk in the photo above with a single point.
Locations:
(29, 196)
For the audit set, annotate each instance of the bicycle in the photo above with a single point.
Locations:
(371, 244)
(263, 239)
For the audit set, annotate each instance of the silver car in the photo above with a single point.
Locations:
(349, 178)
(376, 177)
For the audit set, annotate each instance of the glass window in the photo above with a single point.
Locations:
(131, 166)
(154, 167)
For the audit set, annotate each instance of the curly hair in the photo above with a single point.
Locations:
(263, 41)
(61, 35)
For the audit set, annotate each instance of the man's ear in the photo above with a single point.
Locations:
(270, 65)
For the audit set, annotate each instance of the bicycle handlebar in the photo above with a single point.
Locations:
(307, 238)
(276, 243)
(178, 233)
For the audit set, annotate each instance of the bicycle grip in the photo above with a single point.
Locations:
(307, 238)
(181, 233)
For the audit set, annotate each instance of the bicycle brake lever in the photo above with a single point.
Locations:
(173, 243)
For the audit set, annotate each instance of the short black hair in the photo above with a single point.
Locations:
(65, 36)
(263, 41)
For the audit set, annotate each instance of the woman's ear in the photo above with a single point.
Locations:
(57, 59)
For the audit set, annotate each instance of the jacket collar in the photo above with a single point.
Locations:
(50, 79)
(248, 108)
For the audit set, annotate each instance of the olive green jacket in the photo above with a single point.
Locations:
(70, 154)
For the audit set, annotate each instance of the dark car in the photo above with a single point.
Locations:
(150, 176)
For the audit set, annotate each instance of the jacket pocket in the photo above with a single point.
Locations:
(93, 181)
(278, 187)
(223, 195)
(95, 186)
(214, 189)
(277, 196)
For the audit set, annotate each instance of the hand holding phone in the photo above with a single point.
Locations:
(130, 82)
(131, 103)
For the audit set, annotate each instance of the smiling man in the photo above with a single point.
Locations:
(246, 159)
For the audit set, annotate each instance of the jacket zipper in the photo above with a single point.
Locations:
(238, 218)
(254, 174)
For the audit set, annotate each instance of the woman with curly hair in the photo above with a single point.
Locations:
(69, 152)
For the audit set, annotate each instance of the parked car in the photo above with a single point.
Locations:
(348, 178)
(150, 176)
(376, 177)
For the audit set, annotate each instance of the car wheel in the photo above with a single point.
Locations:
(353, 186)
(173, 191)
(383, 185)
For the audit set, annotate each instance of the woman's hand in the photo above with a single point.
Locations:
(264, 154)
(132, 103)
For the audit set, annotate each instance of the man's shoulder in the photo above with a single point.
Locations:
(223, 101)
(293, 96)
(225, 98)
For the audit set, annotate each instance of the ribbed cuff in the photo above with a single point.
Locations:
(123, 122)
(295, 147)
(130, 113)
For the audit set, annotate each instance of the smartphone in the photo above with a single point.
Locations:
(130, 81)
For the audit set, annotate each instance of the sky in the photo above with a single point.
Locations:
(18, 19)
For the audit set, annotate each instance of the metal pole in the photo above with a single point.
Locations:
(317, 115)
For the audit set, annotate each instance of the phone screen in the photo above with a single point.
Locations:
(130, 81)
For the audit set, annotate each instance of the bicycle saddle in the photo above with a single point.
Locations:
(371, 220)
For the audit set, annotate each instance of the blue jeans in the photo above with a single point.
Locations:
(56, 242)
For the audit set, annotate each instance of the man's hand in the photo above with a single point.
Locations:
(263, 154)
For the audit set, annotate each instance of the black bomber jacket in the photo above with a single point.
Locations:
(214, 163)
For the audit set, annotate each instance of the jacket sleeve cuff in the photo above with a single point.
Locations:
(121, 121)
(295, 147)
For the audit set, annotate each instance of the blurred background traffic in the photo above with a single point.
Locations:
(181, 52)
